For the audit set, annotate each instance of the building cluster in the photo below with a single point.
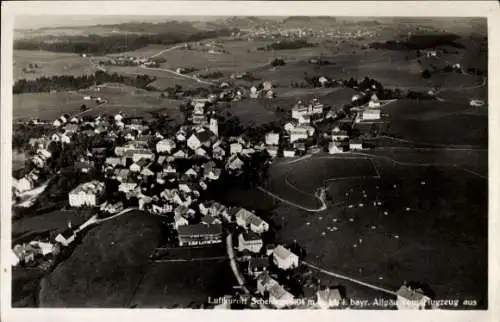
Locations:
(129, 61)
(34, 253)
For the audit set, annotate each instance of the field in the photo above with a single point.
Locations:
(433, 122)
(50, 64)
(414, 241)
(90, 277)
(47, 106)
(183, 284)
(52, 221)
(131, 101)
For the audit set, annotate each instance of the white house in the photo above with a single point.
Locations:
(235, 148)
(165, 145)
(410, 299)
(272, 138)
(272, 150)
(246, 219)
(86, 194)
(279, 297)
(355, 145)
(288, 153)
(249, 241)
(370, 115)
(374, 101)
(335, 147)
(193, 142)
(180, 221)
(234, 163)
(328, 298)
(339, 135)
(298, 133)
(285, 259)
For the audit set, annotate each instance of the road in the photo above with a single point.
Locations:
(234, 265)
(167, 49)
(321, 208)
(201, 259)
(94, 220)
(430, 146)
(181, 75)
(353, 280)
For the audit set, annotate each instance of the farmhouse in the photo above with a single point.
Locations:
(288, 153)
(265, 282)
(339, 135)
(86, 194)
(355, 145)
(199, 234)
(285, 259)
(234, 163)
(249, 241)
(257, 265)
(166, 145)
(279, 297)
(298, 133)
(407, 298)
(328, 298)
(369, 115)
(248, 220)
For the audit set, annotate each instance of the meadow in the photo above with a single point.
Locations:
(50, 64)
(407, 237)
(183, 284)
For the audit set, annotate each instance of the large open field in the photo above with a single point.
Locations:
(183, 284)
(435, 122)
(50, 64)
(435, 230)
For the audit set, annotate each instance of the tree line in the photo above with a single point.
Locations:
(69, 82)
(96, 44)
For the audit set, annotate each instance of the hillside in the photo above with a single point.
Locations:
(105, 268)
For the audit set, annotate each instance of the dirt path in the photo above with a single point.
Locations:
(181, 75)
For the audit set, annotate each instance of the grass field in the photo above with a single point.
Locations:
(47, 106)
(132, 101)
(183, 284)
(441, 240)
(438, 122)
(50, 64)
(90, 277)
(52, 221)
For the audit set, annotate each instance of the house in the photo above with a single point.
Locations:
(179, 154)
(165, 145)
(181, 136)
(329, 298)
(339, 135)
(374, 101)
(355, 145)
(369, 115)
(139, 165)
(218, 152)
(212, 173)
(248, 220)
(272, 150)
(410, 299)
(86, 194)
(115, 161)
(323, 81)
(137, 154)
(288, 153)
(187, 187)
(272, 138)
(216, 209)
(66, 237)
(249, 241)
(127, 185)
(298, 133)
(201, 152)
(335, 147)
(235, 148)
(300, 147)
(199, 234)
(257, 265)
(254, 93)
(279, 297)
(267, 86)
(146, 172)
(289, 126)
(234, 163)
(285, 259)
(180, 221)
(265, 282)
(83, 166)
(122, 174)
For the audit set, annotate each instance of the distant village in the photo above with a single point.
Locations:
(167, 175)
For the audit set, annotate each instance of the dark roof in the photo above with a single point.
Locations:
(204, 136)
(200, 229)
(250, 236)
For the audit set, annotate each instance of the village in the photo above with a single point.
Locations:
(168, 175)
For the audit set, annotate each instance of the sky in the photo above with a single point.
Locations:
(44, 21)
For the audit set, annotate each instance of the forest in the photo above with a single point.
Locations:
(68, 82)
(101, 45)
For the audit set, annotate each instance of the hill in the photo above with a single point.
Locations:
(104, 269)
